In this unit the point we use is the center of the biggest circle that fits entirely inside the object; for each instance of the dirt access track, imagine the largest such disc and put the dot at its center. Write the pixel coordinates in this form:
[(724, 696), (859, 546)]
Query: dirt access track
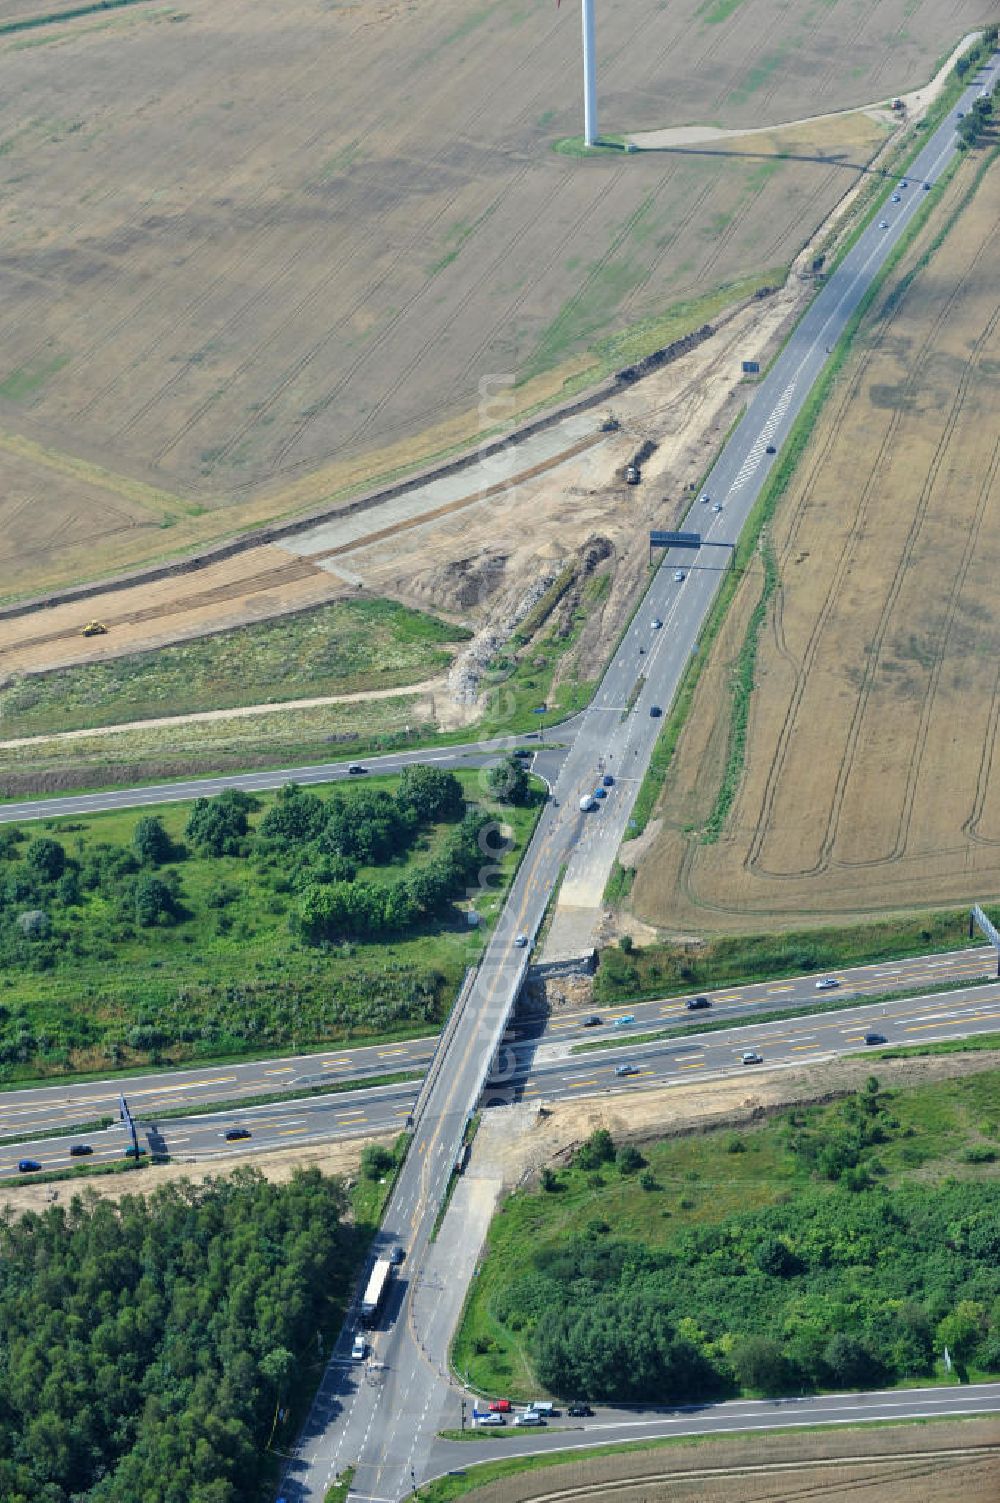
[(256, 256), (870, 779)]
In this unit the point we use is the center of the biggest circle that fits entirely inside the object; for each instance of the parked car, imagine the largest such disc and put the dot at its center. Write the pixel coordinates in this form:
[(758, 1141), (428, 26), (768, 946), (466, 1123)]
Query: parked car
[(529, 1417), (27, 1166), (694, 1004), (489, 1418), (875, 1038), (236, 1134), (501, 1406), (579, 1411), (359, 1349), (751, 1057), (544, 1407), (592, 1022), (622, 1070), (80, 1150), (827, 983)]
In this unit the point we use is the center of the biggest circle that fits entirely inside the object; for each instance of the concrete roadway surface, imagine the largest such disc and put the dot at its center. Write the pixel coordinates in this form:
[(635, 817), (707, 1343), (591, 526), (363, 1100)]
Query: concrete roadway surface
[(612, 1426), (532, 1069), (38, 1109), (684, 588)]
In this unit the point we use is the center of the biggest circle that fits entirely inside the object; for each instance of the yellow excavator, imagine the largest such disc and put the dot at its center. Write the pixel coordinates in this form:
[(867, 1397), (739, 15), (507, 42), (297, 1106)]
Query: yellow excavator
[(94, 629)]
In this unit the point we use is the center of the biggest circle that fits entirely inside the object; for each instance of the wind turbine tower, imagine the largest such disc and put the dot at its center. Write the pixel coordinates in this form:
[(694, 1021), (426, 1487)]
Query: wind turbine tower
[(589, 75)]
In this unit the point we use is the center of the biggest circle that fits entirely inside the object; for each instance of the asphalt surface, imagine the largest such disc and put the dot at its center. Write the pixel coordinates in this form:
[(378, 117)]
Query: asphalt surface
[(612, 1427), (541, 1070)]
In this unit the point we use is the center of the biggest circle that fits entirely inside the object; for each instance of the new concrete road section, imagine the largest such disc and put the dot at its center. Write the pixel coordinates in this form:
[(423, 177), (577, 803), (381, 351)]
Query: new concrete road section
[(612, 1427), (385, 1421), (541, 1071)]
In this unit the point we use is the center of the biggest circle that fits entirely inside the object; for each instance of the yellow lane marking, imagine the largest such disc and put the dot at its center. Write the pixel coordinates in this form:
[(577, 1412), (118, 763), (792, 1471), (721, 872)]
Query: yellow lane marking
[(576, 1084), (285, 1070), (772, 989), (289, 1132), (352, 1118), (699, 1064)]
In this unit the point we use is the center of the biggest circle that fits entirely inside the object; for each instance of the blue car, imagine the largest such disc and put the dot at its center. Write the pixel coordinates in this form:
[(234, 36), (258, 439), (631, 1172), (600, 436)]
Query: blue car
[(600, 793), (624, 1021)]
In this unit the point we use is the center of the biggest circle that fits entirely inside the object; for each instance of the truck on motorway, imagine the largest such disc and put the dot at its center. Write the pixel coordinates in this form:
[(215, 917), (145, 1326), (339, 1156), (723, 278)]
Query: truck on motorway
[(378, 1283)]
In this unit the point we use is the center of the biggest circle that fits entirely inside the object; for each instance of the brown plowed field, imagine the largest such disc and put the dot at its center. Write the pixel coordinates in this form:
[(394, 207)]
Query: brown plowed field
[(255, 253), (872, 773)]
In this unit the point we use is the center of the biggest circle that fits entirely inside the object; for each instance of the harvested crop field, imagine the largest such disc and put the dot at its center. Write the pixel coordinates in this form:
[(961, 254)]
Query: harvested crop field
[(255, 254), (870, 777), (897, 1464)]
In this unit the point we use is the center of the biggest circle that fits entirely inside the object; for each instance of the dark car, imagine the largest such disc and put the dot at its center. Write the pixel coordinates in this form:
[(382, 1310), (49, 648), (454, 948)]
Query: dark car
[(592, 1022), (693, 1004), (234, 1134), (608, 780), (523, 751), (655, 711), (770, 449), (579, 1411), (396, 1255), (355, 768), (27, 1166), (600, 793), (80, 1150), (875, 1038)]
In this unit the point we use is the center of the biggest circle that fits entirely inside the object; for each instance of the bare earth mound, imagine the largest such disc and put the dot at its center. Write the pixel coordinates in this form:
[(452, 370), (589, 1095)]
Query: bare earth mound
[(254, 253), (872, 764)]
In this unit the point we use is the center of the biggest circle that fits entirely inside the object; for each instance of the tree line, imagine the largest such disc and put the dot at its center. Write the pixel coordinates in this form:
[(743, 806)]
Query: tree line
[(149, 1345)]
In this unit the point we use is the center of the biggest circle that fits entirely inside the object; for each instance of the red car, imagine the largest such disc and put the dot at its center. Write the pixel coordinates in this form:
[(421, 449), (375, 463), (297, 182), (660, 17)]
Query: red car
[(500, 1406)]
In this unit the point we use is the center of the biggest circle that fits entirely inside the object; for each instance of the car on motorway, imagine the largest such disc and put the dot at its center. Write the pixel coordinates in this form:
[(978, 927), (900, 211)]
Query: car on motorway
[(716, 505), (27, 1166), (883, 224), (655, 711), (656, 623), (396, 1255), (625, 1019), (751, 1057), (622, 1070), (827, 983), (694, 1004), (523, 751), (927, 187), (235, 1134), (356, 768), (960, 115), (79, 1150), (600, 793), (679, 576), (529, 1417), (521, 942), (579, 1411), (134, 1153), (491, 1417), (895, 199), (501, 1406), (359, 1349), (706, 498), (608, 780), (875, 1038), (592, 1022), (770, 449), (904, 183)]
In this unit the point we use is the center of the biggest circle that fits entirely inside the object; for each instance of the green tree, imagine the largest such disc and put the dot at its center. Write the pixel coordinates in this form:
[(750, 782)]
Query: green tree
[(508, 782), (430, 793), (45, 859), (629, 1159), (151, 842), (962, 1329), (598, 1149), (294, 818), (154, 901), (218, 826), (760, 1364), (850, 1362)]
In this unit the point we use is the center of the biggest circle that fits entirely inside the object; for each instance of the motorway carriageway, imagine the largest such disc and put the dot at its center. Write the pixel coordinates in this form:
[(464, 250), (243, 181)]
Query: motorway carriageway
[(792, 1043), (71, 1103)]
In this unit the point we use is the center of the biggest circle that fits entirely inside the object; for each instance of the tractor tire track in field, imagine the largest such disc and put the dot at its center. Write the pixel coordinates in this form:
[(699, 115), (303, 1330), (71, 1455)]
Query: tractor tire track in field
[(752, 861), (970, 825)]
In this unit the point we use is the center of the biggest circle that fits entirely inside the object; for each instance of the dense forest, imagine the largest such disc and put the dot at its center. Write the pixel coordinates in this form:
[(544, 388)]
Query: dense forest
[(238, 920), (148, 1345), (847, 1276)]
